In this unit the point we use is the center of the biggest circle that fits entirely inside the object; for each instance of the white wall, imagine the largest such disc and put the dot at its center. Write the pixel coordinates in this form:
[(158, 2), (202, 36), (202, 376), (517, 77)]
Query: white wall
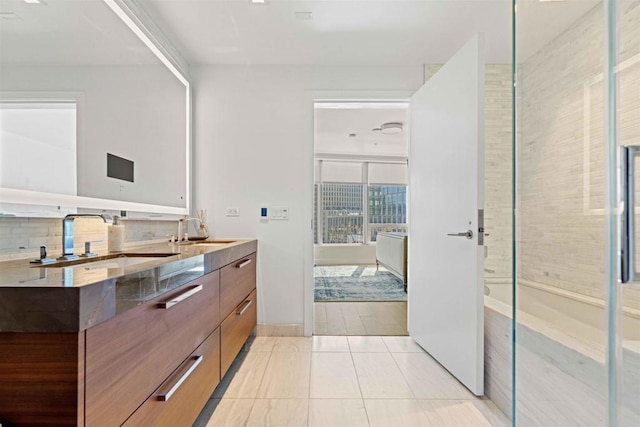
[(253, 136)]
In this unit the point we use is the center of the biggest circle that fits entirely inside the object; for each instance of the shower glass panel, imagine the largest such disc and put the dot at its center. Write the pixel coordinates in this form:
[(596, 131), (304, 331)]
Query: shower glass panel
[(624, 69), (561, 217), (577, 99)]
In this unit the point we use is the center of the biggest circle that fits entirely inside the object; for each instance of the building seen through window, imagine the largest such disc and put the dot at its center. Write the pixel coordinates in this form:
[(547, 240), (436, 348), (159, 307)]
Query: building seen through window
[(387, 209), (342, 211)]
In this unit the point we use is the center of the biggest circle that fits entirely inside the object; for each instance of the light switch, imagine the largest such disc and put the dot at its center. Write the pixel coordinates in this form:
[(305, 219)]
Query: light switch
[(280, 213), (233, 211)]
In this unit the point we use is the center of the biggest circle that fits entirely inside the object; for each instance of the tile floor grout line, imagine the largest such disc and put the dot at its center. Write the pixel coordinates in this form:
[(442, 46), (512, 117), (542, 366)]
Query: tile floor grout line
[(404, 377), (264, 373), (309, 387), (253, 404), (359, 386)]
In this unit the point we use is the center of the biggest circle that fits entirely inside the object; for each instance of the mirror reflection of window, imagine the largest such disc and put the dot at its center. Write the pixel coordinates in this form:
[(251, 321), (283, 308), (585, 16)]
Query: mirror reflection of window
[(38, 146)]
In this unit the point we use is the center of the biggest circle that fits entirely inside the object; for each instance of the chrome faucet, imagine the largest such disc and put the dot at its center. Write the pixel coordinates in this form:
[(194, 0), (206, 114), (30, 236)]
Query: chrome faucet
[(67, 232)]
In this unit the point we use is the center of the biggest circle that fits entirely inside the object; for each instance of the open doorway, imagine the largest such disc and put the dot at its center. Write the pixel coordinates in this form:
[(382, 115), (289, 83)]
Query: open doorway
[(360, 218)]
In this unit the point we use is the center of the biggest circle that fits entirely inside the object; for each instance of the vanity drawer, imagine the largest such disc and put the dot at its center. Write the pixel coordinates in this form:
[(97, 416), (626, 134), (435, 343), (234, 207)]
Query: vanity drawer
[(236, 281), (192, 384), (129, 356), (235, 330)]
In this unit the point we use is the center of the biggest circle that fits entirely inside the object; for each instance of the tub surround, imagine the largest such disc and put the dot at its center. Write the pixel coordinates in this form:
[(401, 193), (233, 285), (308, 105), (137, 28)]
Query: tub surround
[(556, 371), (72, 299), (498, 356)]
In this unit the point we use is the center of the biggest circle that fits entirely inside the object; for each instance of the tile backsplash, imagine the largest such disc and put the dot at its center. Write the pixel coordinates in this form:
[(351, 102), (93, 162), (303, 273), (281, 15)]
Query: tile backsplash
[(22, 237)]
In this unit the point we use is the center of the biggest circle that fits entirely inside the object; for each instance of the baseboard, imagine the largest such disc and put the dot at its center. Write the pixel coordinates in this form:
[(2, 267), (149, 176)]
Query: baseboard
[(295, 330)]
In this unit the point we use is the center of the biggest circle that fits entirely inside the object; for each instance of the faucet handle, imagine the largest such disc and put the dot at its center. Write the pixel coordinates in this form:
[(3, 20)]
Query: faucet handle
[(43, 257), (87, 248)]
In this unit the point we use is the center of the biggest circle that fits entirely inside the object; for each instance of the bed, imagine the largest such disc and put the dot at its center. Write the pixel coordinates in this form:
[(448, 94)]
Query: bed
[(391, 253)]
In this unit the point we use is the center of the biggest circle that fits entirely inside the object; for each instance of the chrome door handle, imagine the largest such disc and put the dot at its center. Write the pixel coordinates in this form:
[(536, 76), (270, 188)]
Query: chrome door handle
[(243, 263), (468, 234), (183, 296), (244, 308), (167, 395), (628, 270)]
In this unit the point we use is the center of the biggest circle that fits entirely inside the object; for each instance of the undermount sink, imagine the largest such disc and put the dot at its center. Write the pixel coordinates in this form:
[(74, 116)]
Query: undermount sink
[(119, 260), (209, 242)]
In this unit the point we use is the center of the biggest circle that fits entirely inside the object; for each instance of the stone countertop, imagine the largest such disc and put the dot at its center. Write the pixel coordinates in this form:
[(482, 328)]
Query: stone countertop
[(45, 298)]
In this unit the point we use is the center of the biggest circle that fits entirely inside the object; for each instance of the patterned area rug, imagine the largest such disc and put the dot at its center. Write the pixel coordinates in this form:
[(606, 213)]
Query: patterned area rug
[(357, 283)]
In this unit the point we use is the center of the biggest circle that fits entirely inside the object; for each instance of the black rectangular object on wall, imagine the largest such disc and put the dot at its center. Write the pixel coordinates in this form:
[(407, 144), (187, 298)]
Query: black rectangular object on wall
[(119, 168)]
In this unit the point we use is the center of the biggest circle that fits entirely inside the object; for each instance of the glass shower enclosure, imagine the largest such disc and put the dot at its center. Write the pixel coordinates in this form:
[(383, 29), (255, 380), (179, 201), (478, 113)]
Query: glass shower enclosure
[(576, 305)]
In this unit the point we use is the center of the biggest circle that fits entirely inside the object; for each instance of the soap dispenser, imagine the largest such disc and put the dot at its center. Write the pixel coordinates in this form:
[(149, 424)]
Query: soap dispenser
[(115, 240)]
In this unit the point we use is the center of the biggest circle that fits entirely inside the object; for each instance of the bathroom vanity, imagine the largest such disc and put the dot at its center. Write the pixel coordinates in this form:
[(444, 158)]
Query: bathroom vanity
[(123, 341)]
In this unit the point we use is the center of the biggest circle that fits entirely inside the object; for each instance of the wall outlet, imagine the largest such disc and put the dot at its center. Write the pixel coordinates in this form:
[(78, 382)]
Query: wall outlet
[(233, 211)]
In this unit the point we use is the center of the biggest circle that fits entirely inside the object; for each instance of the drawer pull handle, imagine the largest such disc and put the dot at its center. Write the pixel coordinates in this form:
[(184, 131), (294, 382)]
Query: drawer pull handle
[(243, 263), (246, 305), (196, 361), (183, 296)]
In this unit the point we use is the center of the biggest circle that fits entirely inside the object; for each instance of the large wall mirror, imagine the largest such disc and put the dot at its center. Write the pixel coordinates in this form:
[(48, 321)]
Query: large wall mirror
[(92, 114)]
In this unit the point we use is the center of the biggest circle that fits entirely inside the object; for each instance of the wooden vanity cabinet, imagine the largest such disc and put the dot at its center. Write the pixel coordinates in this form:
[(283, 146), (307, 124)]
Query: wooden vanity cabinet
[(179, 400), (237, 307), (129, 356), (235, 330), (237, 280), (156, 364), (41, 379)]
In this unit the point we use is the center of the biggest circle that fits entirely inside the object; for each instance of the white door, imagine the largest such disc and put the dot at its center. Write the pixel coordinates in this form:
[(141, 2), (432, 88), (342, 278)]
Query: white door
[(446, 179)]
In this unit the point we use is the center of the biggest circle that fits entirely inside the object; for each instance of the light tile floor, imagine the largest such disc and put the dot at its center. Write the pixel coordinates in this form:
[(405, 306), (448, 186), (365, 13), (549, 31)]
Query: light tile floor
[(336, 381), (360, 318)]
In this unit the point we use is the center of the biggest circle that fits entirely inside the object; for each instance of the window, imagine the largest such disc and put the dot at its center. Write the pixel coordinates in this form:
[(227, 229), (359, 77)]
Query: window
[(342, 213), (346, 210), (387, 209)]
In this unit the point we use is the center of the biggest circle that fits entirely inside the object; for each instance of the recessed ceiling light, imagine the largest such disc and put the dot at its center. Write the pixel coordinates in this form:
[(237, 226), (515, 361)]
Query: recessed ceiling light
[(258, 1), (35, 2), (304, 16)]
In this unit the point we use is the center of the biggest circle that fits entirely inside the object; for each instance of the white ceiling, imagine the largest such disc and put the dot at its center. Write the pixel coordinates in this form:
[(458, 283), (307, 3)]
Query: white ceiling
[(334, 122), (68, 32), (357, 32), (341, 32), (349, 32)]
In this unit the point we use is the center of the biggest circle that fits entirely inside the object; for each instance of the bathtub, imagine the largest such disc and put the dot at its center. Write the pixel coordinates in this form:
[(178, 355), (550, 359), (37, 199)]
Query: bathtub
[(561, 373), (559, 312)]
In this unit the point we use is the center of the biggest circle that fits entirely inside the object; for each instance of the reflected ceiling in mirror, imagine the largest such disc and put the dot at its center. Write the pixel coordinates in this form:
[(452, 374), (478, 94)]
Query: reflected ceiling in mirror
[(129, 106)]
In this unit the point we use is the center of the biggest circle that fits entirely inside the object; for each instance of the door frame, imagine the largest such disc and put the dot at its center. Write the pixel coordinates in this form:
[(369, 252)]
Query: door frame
[(332, 96)]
